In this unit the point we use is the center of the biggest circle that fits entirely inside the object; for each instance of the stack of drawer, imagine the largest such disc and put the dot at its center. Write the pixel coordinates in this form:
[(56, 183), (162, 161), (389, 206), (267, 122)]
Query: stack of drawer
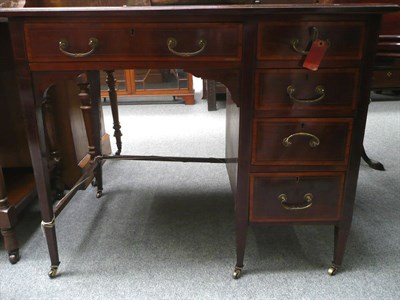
[(302, 121)]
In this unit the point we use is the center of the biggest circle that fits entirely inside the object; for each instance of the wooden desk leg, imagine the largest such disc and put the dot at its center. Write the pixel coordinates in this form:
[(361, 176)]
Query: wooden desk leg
[(7, 219), (372, 163), (242, 224), (90, 106), (340, 240), (37, 146), (211, 95), (111, 82)]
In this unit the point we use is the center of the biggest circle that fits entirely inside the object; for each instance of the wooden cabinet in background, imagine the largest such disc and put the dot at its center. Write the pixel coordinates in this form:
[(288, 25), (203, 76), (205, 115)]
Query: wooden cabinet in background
[(387, 62), (152, 82)]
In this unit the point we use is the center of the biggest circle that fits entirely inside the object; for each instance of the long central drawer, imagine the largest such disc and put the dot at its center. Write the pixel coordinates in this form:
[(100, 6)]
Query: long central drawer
[(124, 41)]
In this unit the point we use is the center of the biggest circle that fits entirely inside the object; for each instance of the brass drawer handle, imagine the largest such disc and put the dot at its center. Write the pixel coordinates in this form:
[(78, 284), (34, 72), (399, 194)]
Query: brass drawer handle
[(63, 45), (172, 43), (314, 142), (314, 36), (319, 90), (296, 206)]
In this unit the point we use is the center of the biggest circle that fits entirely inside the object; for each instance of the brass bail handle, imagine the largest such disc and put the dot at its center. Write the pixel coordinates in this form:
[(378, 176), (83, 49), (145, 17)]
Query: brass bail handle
[(314, 37), (314, 141), (308, 198), (63, 45), (172, 43), (319, 91)]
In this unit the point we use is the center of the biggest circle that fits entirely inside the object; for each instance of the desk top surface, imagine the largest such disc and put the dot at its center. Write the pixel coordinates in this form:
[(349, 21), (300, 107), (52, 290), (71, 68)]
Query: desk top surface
[(10, 8)]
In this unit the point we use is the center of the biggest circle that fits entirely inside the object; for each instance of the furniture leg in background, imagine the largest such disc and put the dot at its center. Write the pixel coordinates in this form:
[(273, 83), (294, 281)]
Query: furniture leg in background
[(112, 92), (211, 95), (7, 220), (17, 190), (372, 163), (212, 89)]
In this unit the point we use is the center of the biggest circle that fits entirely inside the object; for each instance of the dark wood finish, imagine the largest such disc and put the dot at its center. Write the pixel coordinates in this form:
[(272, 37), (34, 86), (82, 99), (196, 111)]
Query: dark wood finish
[(325, 188), (64, 135), (346, 39), (112, 92), (387, 64), (273, 98), (333, 145), (213, 90), (17, 186), (17, 189), (387, 71), (136, 40), (374, 164), (234, 60)]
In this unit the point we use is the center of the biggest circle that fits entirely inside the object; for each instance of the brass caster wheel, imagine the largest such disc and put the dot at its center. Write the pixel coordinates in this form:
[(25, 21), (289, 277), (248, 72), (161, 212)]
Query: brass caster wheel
[(237, 272), (53, 272), (14, 257), (332, 270), (94, 182), (118, 152), (99, 194)]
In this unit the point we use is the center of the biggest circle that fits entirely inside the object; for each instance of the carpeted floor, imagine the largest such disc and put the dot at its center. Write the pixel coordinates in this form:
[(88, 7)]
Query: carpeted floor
[(165, 230)]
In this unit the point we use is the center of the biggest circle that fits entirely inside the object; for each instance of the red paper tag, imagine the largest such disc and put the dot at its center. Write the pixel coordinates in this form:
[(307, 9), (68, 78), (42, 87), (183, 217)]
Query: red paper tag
[(315, 55)]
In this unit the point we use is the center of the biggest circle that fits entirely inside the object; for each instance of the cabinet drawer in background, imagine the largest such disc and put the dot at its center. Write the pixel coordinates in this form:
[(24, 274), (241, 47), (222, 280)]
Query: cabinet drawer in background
[(295, 197), (295, 92), (122, 41), (278, 40), (389, 78), (305, 141)]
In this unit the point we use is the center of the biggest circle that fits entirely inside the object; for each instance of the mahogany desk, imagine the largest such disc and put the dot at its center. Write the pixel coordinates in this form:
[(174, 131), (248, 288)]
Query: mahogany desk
[(294, 136)]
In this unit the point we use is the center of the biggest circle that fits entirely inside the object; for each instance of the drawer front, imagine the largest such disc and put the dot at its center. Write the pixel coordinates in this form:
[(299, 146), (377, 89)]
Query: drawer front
[(302, 90), (122, 41), (296, 197), (285, 40), (389, 78), (299, 141)]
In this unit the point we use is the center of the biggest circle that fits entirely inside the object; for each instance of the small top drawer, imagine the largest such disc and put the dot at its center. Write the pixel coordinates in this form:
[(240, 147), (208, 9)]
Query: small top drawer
[(291, 40), (389, 78), (124, 41)]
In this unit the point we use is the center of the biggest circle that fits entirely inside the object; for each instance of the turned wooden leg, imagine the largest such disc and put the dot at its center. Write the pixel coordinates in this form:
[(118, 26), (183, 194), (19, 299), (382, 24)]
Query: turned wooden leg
[(372, 163), (89, 95), (11, 245), (112, 92), (7, 220)]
